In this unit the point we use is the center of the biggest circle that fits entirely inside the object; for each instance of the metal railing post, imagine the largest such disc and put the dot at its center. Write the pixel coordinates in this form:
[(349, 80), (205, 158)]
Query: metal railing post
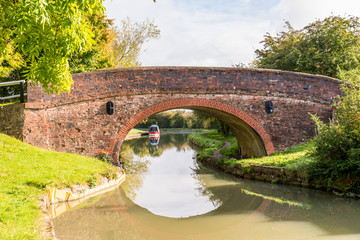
[(22, 99)]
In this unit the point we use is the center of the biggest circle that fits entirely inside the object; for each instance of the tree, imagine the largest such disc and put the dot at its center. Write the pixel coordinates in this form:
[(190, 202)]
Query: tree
[(46, 40), (322, 47), (99, 55), (46, 33), (129, 40)]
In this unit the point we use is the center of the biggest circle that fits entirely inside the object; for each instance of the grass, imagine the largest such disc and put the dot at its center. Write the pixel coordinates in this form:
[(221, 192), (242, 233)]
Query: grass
[(295, 158), (211, 141), (9, 102), (136, 131), (4, 104), (25, 172), (207, 144)]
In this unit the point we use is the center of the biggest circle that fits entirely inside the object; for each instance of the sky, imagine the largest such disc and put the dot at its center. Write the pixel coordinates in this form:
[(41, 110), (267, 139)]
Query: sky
[(219, 33)]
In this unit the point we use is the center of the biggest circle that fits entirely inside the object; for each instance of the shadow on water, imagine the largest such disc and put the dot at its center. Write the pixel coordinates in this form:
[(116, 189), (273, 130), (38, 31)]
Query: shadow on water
[(243, 209)]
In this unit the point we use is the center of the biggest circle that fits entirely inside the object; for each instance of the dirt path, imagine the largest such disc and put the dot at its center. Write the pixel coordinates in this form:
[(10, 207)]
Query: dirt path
[(217, 153)]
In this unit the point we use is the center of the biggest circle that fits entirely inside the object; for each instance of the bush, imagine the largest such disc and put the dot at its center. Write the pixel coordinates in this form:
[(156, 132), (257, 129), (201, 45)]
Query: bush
[(337, 145)]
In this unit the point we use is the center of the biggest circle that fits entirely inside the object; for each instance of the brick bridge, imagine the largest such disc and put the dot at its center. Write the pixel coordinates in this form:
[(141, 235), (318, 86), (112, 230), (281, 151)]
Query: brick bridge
[(77, 122)]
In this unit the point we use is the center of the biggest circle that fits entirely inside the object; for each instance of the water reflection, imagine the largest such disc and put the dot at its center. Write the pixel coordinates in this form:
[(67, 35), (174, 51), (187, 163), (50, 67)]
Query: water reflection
[(171, 188), (244, 209), (154, 140)]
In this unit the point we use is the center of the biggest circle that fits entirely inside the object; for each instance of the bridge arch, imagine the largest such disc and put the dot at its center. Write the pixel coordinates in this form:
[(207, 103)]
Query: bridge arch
[(252, 138), (78, 122)]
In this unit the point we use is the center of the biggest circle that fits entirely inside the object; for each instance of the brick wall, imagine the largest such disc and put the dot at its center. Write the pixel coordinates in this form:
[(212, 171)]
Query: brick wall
[(12, 120), (77, 122)]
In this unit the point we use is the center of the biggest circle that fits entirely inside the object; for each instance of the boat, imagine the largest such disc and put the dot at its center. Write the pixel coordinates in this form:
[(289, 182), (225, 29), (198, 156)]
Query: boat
[(154, 131)]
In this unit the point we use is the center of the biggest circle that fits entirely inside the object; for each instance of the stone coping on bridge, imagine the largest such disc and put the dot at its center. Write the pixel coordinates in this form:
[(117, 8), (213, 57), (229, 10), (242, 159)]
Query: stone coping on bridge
[(149, 68)]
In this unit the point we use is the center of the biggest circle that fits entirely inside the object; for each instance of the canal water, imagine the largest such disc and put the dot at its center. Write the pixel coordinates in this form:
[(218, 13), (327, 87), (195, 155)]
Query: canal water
[(168, 195)]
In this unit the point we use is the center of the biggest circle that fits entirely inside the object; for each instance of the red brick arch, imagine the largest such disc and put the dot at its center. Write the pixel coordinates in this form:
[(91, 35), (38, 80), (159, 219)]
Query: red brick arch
[(191, 102)]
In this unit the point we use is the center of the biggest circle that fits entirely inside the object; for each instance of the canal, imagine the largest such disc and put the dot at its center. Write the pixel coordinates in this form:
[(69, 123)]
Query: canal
[(169, 195)]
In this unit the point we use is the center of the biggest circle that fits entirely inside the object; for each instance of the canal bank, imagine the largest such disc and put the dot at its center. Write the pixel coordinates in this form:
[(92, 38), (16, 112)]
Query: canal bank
[(26, 172), (269, 168), (58, 201)]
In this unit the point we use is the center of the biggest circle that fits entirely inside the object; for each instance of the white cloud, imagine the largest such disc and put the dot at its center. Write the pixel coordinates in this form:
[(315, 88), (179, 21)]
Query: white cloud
[(301, 13), (219, 32)]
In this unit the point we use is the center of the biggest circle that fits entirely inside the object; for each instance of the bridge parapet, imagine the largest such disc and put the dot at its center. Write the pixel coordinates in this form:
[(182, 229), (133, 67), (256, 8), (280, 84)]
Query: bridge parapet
[(190, 80)]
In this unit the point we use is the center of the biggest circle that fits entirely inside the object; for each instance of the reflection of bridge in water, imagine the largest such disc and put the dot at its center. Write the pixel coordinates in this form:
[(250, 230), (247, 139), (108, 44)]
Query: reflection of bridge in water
[(294, 210)]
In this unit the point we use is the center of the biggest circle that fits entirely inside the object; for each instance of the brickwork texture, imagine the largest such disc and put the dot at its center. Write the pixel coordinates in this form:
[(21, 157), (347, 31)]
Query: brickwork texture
[(78, 122), (12, 120)]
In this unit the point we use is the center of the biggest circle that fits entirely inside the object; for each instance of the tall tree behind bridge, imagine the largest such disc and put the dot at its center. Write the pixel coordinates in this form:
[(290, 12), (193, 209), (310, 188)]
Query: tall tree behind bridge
[(129, 41), (322, 47), (114, 47), (98, 56)]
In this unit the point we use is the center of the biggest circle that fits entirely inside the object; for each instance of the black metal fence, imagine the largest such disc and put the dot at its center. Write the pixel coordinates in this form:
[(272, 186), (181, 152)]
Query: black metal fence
[(22, 92)]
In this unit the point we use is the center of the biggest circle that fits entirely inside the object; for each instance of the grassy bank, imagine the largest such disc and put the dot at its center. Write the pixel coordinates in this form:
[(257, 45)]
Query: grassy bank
[(211, 141), (136, 131), (293, 159), (25, 172), (340, 176)]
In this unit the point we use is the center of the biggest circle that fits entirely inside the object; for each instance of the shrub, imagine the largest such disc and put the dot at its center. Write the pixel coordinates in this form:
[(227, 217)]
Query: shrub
[(337, 145)]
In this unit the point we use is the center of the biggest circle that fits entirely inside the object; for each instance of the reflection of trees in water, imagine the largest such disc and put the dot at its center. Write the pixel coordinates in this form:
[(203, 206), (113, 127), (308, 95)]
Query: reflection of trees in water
[(141, 146), (135, 153), (136, 169), (202, 187)]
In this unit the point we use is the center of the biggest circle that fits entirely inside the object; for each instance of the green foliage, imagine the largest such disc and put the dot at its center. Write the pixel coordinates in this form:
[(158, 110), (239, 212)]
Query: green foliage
[(226, 161), (348, 107), (214, 136), (46, 33), (25, 172), (186, 119), (105, 158), (223, 128), (280, 52), (46, 40), (337, 145), (100, 54), (92, 182), (204, 141), (232, 150), (296, 158), (136, 131), (177, 119), (211, 141), (10, 60), (322, 47), (246, 168)]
